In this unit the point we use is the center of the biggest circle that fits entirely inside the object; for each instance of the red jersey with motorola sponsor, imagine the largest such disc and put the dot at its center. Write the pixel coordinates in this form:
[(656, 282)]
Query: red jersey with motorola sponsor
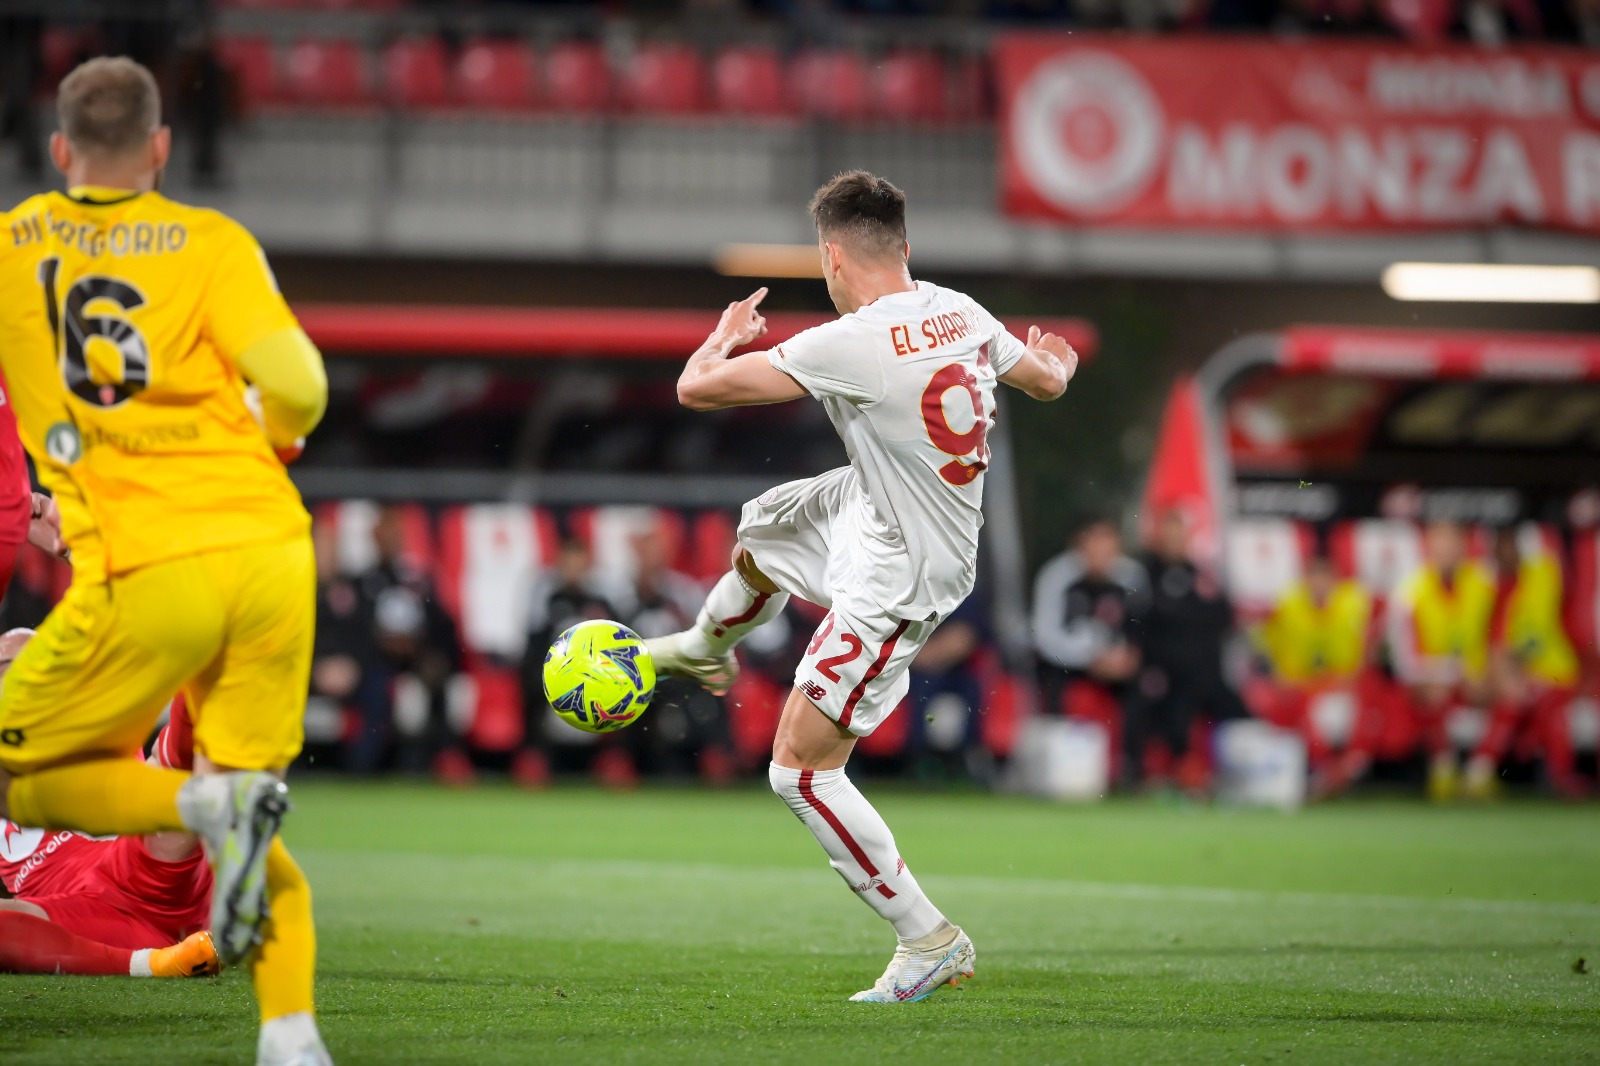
[(171, 896), (44, 862)]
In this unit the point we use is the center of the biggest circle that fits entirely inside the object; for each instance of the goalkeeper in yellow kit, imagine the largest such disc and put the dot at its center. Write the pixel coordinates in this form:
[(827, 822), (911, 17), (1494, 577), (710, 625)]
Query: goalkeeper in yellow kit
[(130, 329)]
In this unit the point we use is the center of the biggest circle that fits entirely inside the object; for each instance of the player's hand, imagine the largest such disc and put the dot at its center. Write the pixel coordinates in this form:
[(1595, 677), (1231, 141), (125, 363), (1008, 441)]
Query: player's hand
[(44, 528), (1056, 348), (741, 323)]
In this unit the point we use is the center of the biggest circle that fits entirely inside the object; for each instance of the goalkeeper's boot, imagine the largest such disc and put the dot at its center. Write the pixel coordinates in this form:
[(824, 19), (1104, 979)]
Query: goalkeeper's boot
[(195, 957), (920, 968), (237, 815), (715, 673), (292, 1040)]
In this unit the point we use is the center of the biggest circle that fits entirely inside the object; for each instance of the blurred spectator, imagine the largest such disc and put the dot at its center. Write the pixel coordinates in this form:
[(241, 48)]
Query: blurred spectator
[(566, 595), (1439, 644), (1181, 682), (417, 643), (685, 724), (1088, 603), (346, 668), (1316, 645), (946, 696), (1532, 671)]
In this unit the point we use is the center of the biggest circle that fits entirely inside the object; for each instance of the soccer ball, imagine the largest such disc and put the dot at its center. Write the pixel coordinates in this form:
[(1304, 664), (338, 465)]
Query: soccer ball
[(599, 676)]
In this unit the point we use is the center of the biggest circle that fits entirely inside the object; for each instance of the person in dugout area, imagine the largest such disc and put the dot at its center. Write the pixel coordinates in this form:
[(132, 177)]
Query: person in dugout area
[(1181, 683), (1316, 646), (1533, 670), (1438, 626)]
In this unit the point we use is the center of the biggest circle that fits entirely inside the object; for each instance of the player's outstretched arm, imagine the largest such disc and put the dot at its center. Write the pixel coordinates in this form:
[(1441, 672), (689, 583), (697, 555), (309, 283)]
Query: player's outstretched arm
[(711, 380), (1046, 366)]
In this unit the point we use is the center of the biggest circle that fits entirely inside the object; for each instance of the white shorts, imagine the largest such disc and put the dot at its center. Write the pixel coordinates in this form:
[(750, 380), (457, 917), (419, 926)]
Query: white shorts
[(857, 667)]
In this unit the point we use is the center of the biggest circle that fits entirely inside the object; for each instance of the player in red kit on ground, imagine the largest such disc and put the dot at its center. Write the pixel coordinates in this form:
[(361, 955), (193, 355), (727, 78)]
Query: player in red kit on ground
[(116, 906)]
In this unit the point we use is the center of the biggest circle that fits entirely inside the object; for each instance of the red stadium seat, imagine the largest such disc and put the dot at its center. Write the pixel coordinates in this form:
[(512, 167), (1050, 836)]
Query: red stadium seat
[(498, 75), (891, 737), (333, 73), (910, 87), (755, 704), (750, 81), (495, 705), (832, 84), (967, 90), (665, 79), (59, 50), (251, 62), (416, 73), (579, 78), (710, 548)]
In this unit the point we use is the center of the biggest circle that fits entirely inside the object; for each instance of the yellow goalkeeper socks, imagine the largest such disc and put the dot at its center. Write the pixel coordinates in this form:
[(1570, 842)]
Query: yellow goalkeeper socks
[(285, 968), (120, 796)]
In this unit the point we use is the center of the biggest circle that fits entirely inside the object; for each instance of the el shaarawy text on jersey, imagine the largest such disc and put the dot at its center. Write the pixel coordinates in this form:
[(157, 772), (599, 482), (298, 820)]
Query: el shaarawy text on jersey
[(122, 320)]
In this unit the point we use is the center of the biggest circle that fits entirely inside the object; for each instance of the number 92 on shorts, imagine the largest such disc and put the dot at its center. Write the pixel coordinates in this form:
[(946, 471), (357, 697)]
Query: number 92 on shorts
[(857, 668)]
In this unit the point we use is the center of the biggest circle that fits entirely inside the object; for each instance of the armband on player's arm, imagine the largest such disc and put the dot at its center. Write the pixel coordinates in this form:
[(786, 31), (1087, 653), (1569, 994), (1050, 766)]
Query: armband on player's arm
[(287, 370)]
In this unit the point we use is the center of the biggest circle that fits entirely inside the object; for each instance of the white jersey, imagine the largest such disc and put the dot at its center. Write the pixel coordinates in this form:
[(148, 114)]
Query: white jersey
[(908, 381)]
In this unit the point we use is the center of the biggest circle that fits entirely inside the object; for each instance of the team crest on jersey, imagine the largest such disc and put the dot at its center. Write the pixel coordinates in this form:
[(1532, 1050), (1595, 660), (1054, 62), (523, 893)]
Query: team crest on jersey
[(63, 443), (17, 843)]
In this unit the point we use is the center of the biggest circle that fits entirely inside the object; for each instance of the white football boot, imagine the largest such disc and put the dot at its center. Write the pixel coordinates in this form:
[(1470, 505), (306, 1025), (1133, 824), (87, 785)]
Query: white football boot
[(292, 1040), (237, 815), (919, 969), (715, 673)]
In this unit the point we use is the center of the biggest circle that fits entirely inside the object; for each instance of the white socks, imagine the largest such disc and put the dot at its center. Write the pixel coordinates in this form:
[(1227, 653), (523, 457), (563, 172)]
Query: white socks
[(139, 963), (732, 610), (859, 846)]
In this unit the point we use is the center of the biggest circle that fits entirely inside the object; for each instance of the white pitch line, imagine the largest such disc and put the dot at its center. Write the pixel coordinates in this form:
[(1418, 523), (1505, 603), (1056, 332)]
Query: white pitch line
[(643, 871)]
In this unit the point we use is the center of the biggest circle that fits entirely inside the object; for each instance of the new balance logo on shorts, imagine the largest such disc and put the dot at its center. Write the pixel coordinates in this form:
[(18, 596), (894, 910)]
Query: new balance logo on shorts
[(813, 691)]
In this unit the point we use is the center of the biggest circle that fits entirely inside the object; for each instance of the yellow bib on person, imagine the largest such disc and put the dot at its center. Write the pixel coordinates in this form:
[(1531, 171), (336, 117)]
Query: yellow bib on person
[(122, 319), (1451, 622), (1534, 631), (1306, 641)]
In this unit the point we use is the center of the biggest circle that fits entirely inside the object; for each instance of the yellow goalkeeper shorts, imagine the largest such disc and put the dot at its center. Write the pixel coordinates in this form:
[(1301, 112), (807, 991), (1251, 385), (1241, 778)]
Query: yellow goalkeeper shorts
[(231, 628)]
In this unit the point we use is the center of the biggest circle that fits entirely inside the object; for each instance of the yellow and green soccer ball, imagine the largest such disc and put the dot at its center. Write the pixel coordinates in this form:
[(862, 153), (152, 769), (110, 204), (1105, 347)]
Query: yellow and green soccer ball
[(599, 676)]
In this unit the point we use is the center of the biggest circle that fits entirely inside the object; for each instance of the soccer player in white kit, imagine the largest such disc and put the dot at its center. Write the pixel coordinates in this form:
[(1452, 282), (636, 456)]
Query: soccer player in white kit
[(889, 544)]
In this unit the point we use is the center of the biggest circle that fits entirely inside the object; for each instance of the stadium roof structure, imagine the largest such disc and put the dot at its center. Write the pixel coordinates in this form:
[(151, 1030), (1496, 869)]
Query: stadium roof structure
[(562, 333), (1316, 423)]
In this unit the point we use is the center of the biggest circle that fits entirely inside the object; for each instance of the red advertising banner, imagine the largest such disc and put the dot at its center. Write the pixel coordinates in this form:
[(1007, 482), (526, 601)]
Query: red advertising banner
[(1274, 134)]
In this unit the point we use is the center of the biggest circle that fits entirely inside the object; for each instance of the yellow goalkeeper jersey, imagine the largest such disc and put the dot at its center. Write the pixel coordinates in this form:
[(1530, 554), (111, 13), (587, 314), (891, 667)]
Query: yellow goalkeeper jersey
[(122, 320)]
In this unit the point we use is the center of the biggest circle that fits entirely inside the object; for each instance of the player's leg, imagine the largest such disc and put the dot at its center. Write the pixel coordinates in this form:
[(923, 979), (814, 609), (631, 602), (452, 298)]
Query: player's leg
[(83, 694), (247, 709), (741, 600), (854, 674), (48, 937), (789, 529), (1510, 701)]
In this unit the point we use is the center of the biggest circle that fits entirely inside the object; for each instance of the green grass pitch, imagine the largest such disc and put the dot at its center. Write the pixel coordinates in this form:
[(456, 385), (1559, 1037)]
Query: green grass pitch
[(691, 927)]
